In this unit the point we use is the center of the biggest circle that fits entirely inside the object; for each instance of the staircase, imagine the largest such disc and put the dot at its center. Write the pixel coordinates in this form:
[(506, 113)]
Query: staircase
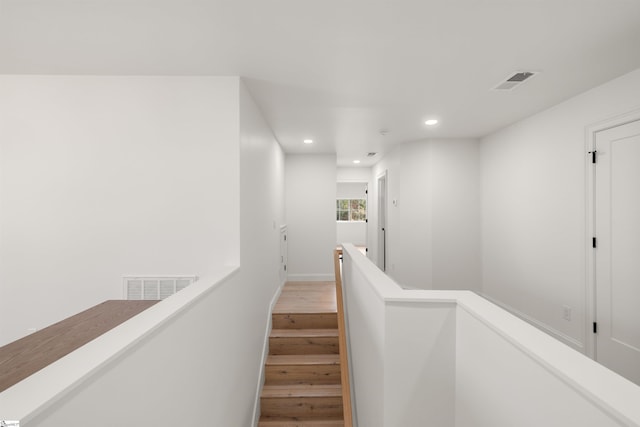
[(302, 372)]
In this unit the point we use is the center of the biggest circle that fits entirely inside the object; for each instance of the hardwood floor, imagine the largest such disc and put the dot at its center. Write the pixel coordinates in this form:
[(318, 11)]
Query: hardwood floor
[(307, 297), (302, 372), (26, 356)]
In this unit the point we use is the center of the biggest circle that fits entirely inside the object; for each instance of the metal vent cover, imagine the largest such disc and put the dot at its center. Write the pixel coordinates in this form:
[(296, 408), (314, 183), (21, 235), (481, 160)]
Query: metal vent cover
[(515, 79), (154, 287)]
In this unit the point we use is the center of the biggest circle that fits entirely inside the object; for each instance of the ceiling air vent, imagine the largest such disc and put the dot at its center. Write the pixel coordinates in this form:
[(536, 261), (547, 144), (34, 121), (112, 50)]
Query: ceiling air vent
[(514, 80)]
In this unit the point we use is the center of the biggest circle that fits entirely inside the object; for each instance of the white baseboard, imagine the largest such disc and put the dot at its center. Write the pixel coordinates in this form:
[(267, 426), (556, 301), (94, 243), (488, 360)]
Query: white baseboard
[(311, 278), (560, 336), (265, 352)]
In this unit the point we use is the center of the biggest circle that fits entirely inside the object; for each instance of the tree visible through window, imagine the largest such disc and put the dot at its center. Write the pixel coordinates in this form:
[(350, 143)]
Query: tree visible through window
[(351, 209)]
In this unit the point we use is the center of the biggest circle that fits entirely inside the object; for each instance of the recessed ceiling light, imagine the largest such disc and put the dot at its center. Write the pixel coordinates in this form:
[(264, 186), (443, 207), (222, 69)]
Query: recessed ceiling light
[(431, 122), (308, 141), (356, 161)]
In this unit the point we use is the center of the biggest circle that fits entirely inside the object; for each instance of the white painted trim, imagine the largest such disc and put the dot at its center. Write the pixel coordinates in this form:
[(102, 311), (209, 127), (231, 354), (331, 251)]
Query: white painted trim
[(265, 353), (590, 264), (311, 277), (560, 336)]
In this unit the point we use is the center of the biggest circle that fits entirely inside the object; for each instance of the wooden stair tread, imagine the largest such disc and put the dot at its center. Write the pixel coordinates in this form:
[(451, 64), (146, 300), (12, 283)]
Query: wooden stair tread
[(304, 341), (305, 320), (303, 369), (301, 422), (303, 376), (307, 333), (301, 390), (303, 359)]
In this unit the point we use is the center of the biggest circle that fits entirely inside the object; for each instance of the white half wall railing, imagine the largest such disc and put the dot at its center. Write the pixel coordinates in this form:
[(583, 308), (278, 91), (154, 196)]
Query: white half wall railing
[(454, 359), (174, 364)]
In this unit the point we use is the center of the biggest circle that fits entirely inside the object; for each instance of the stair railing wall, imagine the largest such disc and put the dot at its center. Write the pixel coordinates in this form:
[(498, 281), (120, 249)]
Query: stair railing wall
[(454, 359), (173, 364)]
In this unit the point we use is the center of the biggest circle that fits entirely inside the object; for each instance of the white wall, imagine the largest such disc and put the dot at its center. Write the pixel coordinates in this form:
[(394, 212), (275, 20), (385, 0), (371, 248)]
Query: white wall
[(402, 352), (420, 364), (533, 208), (172, 365), (109, 176), (361, 174), (452, 358), (433, 227), (497, 384), (310, 187), (351, 231), (155, 381), (261, 195), (187, 358), (351, 190), (366, 319), (262, 211)]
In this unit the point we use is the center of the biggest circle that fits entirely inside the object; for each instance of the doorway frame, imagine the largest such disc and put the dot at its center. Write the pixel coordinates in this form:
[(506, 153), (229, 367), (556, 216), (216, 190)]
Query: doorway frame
[(382, 250), (590, 232), (367, 184)]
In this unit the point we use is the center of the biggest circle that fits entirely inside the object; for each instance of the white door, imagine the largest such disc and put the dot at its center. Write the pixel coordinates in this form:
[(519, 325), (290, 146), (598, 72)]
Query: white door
[(617, 252), (366, 227), (382, 222), (284, 249)]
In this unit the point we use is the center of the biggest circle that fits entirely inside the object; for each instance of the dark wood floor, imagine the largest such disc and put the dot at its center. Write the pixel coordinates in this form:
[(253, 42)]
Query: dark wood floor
[(26, 356)]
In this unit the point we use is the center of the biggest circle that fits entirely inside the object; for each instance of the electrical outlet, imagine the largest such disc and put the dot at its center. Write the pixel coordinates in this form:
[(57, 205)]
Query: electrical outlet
[(566, 313)]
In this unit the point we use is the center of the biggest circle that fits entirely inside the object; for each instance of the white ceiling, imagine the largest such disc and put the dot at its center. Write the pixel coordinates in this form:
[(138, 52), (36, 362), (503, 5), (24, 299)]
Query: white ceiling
[(339, 71)]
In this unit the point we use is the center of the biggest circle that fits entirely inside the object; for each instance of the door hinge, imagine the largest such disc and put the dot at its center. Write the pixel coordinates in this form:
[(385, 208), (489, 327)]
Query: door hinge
[(594, 242), (593, 156), (595, 327)]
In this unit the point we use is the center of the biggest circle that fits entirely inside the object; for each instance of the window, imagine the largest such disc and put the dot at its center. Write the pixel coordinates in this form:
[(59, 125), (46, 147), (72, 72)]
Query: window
[(351, 209)]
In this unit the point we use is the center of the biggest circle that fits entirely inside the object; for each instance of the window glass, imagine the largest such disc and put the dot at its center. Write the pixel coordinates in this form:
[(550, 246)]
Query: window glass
[(351, 210)]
